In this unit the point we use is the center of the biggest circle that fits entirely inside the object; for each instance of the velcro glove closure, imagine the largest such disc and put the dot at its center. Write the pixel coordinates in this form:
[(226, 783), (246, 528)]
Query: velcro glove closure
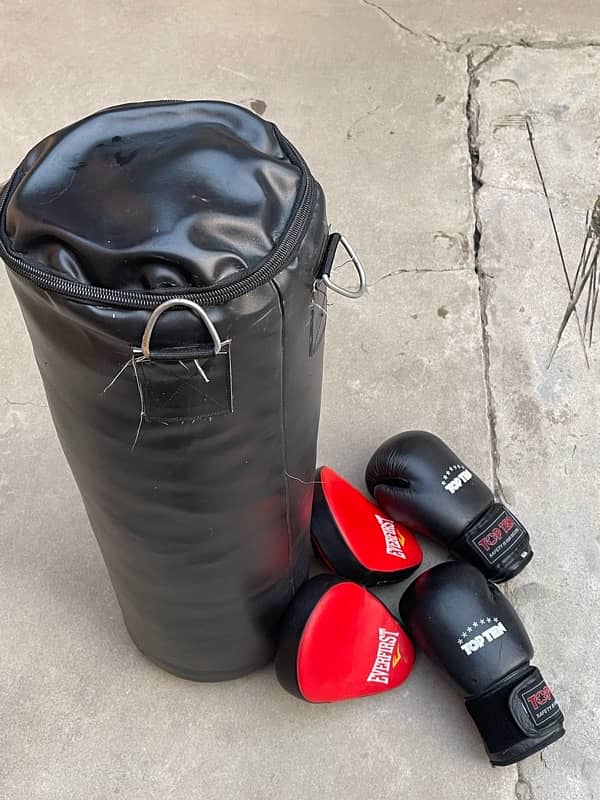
[(497, 543), (533, 706), (511, 713)]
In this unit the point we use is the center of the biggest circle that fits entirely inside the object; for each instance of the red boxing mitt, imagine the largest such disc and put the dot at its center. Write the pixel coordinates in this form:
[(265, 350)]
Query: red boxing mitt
[(339, 641), (355, 538)]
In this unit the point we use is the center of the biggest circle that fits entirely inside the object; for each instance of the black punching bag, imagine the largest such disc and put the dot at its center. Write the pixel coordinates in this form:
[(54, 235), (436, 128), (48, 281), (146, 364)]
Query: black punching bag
[(169, 260)]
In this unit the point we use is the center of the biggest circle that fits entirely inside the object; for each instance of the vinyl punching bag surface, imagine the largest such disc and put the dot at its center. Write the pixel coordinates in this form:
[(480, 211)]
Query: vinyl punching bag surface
[(193, 446)]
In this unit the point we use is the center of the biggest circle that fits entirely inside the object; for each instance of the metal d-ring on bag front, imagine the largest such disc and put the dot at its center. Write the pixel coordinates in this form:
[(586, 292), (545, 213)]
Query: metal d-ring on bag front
[(171, 261)]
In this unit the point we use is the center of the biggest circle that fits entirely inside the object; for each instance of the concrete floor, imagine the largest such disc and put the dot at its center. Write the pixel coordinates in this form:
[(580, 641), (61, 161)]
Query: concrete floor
[(412, 115)]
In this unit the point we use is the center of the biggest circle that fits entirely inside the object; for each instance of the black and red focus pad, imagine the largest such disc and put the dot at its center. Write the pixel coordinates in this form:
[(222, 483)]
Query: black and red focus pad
[(339, 641), (353, 536)]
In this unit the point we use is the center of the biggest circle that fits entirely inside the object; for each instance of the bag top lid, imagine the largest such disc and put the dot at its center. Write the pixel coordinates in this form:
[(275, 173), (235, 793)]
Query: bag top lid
[(155, 197)]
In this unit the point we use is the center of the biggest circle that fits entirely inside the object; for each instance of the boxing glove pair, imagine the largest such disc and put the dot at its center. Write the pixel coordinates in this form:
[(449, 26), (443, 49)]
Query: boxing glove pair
[(338, 641), (456, 616)]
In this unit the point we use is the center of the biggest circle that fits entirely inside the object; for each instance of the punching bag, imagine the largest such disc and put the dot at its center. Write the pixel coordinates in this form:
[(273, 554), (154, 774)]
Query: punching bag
[(169, 260)]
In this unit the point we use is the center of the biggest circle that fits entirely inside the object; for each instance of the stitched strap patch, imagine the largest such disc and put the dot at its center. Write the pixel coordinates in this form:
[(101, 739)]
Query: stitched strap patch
[(187, 389)]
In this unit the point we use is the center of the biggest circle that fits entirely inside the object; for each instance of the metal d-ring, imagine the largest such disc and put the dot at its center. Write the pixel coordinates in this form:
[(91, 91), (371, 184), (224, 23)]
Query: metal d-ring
[(362, 278), (179, 303)]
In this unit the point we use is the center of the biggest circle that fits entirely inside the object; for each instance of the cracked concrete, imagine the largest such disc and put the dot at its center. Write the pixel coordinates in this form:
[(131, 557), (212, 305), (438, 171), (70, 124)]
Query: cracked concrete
[(472, 112), (468, 24), (411, 272), (403, 27), (23, 403), (546, 418), (409, 116)]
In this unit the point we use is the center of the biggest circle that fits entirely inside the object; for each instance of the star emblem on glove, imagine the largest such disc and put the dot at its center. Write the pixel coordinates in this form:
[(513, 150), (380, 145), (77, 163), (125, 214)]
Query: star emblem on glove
[(464, 636), (452, 468)]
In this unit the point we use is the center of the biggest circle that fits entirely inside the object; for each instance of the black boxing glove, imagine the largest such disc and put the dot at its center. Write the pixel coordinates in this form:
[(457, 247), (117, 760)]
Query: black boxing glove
[(418, 481), (467, 625)]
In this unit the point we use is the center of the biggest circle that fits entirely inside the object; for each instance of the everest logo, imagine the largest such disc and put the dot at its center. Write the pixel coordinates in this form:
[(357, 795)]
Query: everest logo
[(455, 477), (386, 658), (393, 540)]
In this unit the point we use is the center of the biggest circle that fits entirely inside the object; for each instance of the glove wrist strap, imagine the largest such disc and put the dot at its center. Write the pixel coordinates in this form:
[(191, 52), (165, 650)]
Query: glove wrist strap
[(496, 543), (517, 717)]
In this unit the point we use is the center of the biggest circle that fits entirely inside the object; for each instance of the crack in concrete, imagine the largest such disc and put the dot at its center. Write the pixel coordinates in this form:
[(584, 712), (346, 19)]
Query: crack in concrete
[(23, 403), (534, 44), (424, 271), (417, 34), (350, 131), (487, 57), (471, 40), (472, 112), (523, 789)]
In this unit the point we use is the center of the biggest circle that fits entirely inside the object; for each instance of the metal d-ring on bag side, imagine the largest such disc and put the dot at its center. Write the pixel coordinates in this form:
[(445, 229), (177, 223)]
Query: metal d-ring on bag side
[(170, 262), (335, 240)]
